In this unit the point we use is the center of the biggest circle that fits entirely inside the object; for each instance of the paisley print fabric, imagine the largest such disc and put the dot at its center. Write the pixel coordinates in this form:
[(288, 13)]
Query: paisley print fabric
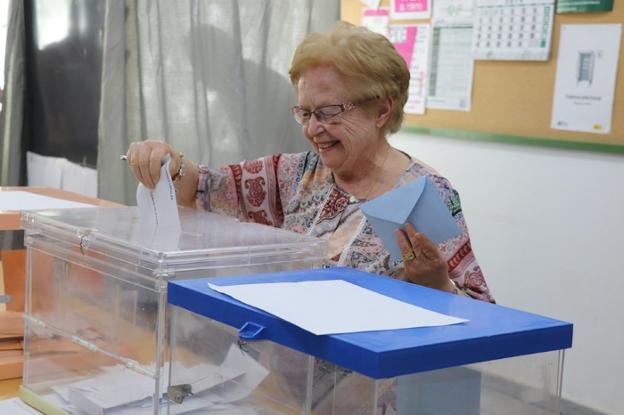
[(297, 192)]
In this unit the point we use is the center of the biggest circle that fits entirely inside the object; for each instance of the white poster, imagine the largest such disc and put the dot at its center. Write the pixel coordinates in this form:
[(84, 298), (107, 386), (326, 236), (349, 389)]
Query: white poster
[(373, 4), (376, 20), (412, 42), (450, 77), (513, 30), (586, 73)]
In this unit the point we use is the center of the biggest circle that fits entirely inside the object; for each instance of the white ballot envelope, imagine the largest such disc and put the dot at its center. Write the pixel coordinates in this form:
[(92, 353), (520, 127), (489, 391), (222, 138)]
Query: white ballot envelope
[(158, 210)]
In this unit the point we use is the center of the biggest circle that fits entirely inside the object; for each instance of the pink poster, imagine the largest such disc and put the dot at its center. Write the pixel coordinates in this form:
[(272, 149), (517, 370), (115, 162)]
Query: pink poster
[(404, 40), (380, 12), (412, 43), (410, 9)]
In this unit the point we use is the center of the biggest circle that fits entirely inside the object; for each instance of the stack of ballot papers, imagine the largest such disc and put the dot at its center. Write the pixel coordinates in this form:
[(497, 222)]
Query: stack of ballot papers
[(118, 390)]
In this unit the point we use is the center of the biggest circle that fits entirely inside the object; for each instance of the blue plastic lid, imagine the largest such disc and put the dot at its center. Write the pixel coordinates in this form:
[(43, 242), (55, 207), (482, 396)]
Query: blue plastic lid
[(492, 332)]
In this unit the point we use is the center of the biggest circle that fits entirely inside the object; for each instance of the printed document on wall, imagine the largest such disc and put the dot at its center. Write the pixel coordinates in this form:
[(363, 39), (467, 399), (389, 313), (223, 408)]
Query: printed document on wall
[(371, 4), (586, 73), (450, 78), (412, 43), (453, 11), (410, 9), (518, 30), (376, 20), (584, 6)]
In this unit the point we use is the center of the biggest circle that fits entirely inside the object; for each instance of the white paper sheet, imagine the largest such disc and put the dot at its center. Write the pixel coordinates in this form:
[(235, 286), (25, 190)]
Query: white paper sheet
[(586, 77), (253, 374), (79, 179), (18, 200), (334, 306), (60, 173), (15, 406), (44, 171), (158, 208), (205, 376), (119, 390)]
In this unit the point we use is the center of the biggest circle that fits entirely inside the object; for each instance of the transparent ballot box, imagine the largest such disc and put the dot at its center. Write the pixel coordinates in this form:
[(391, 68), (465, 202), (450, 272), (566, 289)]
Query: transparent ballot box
[(228, 357), (96, 321)]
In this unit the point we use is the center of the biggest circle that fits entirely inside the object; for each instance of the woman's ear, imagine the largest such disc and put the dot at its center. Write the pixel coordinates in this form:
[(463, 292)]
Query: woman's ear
[(384, 113)]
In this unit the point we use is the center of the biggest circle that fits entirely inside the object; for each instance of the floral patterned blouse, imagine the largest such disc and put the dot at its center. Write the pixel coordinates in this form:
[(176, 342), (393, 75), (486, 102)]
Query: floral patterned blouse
[(297, 192)]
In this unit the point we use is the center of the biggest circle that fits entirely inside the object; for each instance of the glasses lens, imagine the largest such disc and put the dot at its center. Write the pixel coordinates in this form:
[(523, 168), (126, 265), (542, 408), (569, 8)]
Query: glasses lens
[(323, 114), (302, 116), (328, 112)]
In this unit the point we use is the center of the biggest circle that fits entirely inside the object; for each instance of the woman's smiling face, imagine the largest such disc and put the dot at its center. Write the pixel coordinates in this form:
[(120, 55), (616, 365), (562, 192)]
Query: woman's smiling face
[(346, 142)]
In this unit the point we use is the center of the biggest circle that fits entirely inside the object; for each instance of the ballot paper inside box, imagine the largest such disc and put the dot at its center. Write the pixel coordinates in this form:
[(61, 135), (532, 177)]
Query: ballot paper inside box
[(96, 334), (418, 203), (495, 358)]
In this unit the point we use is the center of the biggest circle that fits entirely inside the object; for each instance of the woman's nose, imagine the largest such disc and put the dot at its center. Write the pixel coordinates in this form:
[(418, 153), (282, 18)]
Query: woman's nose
[(314, 127)]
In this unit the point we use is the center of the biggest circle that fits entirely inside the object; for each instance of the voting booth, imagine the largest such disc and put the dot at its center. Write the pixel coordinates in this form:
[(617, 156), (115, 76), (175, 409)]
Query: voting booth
[(96, 320), (233, 358)]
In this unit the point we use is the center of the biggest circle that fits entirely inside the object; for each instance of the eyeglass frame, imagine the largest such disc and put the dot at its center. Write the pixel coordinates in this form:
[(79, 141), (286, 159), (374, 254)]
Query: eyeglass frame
[(323, 119), (344, 107)]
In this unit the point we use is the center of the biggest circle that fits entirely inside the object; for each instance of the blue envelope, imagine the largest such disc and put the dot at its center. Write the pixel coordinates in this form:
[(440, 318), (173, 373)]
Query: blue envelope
[(418, 203)]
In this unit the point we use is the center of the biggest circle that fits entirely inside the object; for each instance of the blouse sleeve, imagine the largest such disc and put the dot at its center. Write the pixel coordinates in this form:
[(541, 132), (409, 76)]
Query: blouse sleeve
[(252, 190), (462, 264)]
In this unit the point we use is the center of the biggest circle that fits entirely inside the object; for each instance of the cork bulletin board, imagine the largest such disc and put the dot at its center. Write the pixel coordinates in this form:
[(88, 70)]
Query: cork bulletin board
[(512, 100)]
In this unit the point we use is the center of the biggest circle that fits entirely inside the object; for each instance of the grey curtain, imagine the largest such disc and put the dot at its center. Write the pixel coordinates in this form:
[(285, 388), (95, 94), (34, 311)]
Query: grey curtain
[(13, 154), (207, 76)]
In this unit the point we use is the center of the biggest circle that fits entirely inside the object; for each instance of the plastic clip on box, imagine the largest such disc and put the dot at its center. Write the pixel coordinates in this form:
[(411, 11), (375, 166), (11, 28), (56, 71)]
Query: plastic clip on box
[(231, 357), (96, 333)]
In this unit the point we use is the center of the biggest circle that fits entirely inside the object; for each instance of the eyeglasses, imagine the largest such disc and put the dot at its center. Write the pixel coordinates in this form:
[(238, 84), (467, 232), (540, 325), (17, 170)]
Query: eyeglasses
[(323, 114)]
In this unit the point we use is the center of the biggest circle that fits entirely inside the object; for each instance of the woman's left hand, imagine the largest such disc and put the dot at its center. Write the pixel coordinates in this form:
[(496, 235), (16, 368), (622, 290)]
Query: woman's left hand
[(423, 262)]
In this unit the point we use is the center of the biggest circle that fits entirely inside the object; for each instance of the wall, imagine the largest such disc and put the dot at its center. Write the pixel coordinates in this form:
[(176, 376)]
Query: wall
[(60, 173), (547, 227)]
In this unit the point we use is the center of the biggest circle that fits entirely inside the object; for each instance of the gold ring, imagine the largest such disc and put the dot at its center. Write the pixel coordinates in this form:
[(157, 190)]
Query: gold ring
[(410, 257)]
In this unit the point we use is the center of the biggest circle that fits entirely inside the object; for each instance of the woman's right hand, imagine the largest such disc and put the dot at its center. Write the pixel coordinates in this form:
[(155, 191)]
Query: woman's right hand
[(145, 159)]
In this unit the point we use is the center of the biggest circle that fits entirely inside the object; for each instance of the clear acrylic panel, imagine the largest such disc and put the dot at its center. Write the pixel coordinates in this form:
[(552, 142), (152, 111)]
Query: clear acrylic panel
[(291, 382), (212, 369), (96, 309)]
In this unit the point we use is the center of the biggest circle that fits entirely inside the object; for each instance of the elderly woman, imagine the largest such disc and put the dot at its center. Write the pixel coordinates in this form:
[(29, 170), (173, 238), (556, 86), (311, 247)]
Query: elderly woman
[(351, 87)]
